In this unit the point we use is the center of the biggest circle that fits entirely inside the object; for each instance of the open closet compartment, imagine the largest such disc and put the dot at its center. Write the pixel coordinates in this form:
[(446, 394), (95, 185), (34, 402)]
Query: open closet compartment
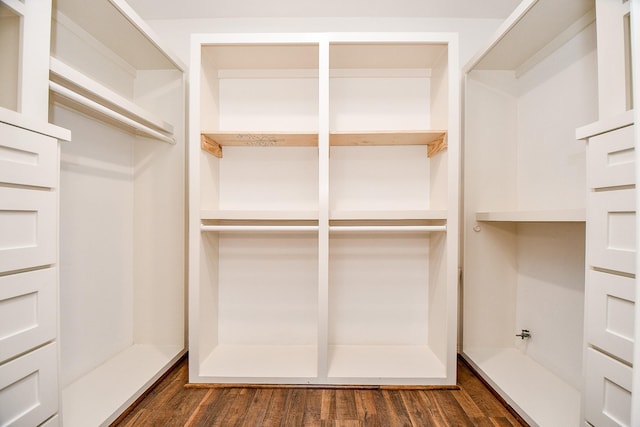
[(392, 201), (524, 236), (254, 209), (122, 215), (310, 172)]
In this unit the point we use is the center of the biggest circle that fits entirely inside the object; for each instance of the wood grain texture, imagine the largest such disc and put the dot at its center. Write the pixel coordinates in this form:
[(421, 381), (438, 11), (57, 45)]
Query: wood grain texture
[(170, 403)]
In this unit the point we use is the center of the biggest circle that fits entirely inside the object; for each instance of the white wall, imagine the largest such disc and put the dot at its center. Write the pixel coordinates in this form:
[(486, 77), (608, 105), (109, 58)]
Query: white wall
[(473, 32), (96, 243)]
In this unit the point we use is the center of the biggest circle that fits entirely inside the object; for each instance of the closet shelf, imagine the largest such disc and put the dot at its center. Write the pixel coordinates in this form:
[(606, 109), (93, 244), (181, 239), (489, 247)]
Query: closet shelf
[(259, 228), (115, 25), (364, 215), (435, 140), (563, 215), (213, 141), (259, 215), (78, 82), (388, 228), (533, 30)]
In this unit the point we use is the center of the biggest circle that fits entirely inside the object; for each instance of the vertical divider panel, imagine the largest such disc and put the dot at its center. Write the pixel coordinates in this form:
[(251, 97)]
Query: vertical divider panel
[(323, 210), (453, 205), (194, 211), (635, 68)]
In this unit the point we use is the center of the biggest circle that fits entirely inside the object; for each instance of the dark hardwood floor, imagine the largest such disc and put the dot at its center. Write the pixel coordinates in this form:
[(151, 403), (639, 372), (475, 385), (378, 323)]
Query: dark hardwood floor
[(170, 403)]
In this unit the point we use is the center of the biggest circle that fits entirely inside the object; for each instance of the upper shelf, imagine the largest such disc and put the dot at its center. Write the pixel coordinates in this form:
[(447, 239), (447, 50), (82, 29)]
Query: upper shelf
[(397, 55), (69, 77), (213, 141), (532, 26), (118, 27)]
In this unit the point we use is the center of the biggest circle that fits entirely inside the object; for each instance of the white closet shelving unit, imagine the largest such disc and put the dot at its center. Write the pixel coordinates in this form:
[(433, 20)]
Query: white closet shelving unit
[(29, 155), (323, 227), (611, 281), (122, 207), (524, 196)]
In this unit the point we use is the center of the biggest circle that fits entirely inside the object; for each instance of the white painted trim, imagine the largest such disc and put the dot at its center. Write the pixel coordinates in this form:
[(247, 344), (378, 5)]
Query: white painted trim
[(15, 5), (634, 6)]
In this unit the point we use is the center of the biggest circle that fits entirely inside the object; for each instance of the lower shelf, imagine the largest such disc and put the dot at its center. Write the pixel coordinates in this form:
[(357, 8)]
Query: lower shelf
[(260, 364), (99, 397), (538, 395), (382, 364)]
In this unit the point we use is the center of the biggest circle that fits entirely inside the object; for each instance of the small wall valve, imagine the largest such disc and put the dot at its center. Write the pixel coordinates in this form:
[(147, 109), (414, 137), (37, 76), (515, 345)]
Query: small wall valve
[(524, 334)]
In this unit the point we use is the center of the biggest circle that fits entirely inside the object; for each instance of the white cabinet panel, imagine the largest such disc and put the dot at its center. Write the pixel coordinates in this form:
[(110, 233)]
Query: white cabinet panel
[(27, 158), (27, 228), (610, 313), (29, 388), (608, 391), (52, 422), (27, 311), (610, 159), (611, 219)]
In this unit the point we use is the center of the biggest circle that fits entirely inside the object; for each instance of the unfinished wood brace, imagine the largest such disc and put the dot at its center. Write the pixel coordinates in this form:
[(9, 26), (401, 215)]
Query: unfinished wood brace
[(437, 146), (210, 146)]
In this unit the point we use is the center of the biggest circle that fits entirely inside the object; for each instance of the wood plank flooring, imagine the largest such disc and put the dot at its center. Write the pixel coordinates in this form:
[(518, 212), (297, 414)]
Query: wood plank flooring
[(170, 403)]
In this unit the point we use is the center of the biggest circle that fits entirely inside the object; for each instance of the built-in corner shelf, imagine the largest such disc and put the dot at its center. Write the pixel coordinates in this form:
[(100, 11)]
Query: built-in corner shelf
[(562, 215)]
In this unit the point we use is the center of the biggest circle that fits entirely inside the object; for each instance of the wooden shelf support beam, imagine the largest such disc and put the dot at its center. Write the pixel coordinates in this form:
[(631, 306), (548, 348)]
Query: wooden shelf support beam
[(210, 146), (437, 146)]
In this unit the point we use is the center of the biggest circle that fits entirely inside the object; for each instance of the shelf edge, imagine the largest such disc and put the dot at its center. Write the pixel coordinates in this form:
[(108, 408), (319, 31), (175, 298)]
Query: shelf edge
[(568, 215)]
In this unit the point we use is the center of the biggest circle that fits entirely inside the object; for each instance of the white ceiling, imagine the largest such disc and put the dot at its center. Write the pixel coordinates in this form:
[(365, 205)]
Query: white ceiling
[(173, 9)]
